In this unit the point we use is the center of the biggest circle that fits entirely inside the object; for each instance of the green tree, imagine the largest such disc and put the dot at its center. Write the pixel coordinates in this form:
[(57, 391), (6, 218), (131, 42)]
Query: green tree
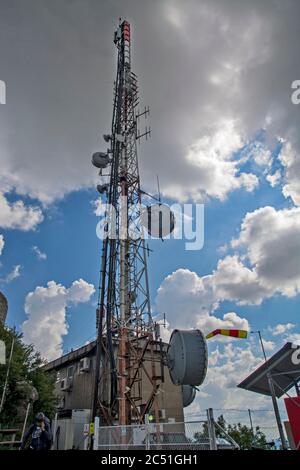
[(25, 377), (244, 436), (247, 438)]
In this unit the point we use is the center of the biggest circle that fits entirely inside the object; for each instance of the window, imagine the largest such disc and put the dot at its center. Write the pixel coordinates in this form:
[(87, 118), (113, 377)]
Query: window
[(70, 372)]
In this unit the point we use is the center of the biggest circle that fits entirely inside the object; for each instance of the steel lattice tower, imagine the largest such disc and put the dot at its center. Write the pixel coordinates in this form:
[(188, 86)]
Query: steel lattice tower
[(125, 326)]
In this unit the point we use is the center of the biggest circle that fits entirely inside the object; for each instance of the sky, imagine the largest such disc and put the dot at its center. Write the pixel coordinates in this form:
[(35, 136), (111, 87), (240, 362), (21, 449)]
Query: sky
[(217, 76)]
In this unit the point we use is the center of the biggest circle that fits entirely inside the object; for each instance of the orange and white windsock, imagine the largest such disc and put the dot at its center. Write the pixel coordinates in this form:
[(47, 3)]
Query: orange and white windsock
[(225, 332)]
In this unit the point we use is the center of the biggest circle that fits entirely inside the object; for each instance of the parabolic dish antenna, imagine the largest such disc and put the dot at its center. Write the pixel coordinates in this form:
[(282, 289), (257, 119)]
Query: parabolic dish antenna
[(188, 395), (158, 220), (187, 357)]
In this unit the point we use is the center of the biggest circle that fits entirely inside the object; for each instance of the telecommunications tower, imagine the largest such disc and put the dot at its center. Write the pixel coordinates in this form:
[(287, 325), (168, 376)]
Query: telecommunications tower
[(126, 331)]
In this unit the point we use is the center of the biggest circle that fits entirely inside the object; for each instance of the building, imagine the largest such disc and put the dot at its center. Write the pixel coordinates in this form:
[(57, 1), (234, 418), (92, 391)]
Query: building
[(74, 390), (3, 308)]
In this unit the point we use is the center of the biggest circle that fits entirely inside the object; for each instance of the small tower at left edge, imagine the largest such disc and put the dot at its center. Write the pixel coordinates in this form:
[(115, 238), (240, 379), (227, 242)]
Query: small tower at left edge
[(3, 308)]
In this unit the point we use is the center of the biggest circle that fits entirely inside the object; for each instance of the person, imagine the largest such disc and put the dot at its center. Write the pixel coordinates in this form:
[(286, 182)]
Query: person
[(38, 436)]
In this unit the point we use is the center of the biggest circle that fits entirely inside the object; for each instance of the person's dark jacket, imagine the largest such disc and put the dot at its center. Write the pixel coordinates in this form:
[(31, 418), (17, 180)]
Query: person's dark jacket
[(37, 439)]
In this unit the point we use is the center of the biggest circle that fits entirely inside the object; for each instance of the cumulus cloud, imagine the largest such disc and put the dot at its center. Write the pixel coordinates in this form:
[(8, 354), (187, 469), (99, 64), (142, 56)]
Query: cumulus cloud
[(269, 345), (216, 165), (183, 294), (17, 215), (2, 243), (46, 310), (188, 300), (290, 159), (281, 328), (232, 360), (293, 338), (274, 178), (233, 280), (260, 154), (272, 241)]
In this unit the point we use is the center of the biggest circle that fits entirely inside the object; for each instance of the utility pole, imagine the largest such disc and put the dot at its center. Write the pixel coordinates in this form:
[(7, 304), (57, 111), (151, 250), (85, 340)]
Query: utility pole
[(261, 343), (250, 418), (7, 374)]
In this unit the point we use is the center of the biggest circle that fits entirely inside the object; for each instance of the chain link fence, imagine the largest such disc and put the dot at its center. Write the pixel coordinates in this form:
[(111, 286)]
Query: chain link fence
[(198, 432), (255, 419), (189, 435)]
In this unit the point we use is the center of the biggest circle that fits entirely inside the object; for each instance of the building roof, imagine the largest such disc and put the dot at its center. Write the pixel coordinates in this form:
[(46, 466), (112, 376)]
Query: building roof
[(77, 354), (284, 371), (72, 356)]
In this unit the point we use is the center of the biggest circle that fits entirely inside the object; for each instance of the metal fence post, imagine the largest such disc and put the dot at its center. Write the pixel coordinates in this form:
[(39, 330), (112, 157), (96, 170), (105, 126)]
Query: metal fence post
[(276, 410), (211, 429), (54, 432), (96, 433), (147, 432), (25, 421)]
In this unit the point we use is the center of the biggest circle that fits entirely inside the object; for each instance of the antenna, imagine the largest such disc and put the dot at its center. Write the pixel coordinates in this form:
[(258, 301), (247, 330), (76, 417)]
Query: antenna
[(158, 188), (126, 330), (125, 392)]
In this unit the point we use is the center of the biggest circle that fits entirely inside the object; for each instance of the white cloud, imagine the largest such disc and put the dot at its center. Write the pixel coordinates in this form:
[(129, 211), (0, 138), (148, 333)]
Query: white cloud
[(165, 330), (290, 159), (14, 274), (17, 215), (233, 280), (274, 178), (188, 300), (80, 291), (272, 241), (260, 154), (233, 364), (293, 338), (281, 328), (268, 345), (208, 323), (98, 207), (228, 365), (46, 310), (215, 166), (184, 295), (40, 255), (2, 243)]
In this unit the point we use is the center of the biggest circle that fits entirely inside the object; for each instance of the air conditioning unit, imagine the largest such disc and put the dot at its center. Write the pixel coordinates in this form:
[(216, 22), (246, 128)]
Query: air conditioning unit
[(66, 384), (61, 402), (84, 364)]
